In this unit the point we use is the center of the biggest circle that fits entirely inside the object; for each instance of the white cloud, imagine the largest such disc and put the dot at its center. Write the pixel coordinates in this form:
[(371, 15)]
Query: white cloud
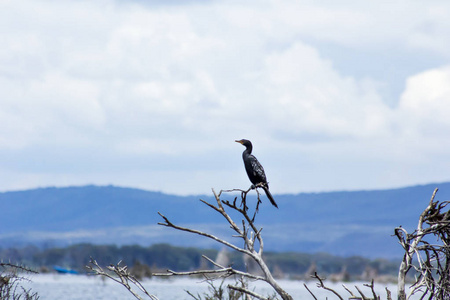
[(427, 95), (424, 108), (310, 96)]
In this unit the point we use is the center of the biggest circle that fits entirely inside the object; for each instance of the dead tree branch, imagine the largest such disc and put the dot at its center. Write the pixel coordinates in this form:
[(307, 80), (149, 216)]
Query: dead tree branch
[(320, 284), (348, 290), (247, 292), (11, 282), (223, 272), (312, 294), (122, 276), (244, 197), (432, 260), (371, 285), (248, 232)]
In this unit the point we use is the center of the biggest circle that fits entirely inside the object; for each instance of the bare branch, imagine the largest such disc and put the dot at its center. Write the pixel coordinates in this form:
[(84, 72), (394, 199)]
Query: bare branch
[(388, 294), (372, 286), (213, 262), (169, 224), (361, 293), (320, 284), (246, 291), (18, 267), (123, 277), (348, 290), (304, 284), (224, 272), (11, 282)]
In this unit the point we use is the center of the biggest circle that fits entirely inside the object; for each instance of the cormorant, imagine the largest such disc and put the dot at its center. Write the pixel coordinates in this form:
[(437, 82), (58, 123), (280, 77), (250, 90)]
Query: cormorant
[(254, 169)]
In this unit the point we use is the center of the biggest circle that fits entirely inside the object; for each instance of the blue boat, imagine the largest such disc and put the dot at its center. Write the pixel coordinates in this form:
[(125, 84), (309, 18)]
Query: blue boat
[(62, 270)]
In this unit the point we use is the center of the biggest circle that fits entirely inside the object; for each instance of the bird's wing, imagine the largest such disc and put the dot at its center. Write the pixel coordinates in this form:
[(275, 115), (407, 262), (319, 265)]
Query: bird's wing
[(258, 170)]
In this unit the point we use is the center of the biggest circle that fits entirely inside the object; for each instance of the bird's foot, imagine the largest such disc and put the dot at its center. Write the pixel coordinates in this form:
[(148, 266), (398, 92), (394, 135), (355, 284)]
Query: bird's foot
[(260, 185)]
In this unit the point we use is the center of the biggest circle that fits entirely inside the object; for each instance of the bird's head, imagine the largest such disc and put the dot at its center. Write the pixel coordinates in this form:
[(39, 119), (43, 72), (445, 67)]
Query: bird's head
[(244, 142)]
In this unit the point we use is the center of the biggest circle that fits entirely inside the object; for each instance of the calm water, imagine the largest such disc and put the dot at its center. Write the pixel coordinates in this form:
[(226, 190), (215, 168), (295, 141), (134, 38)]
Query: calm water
[(71, 287)]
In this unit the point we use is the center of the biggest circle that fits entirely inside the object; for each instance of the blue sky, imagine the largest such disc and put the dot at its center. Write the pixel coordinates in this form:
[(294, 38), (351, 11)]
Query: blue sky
[(335, 95)]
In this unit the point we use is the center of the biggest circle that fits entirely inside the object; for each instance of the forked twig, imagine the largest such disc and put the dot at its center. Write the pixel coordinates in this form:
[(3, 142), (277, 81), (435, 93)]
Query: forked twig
[(123, 277), (320, 284)]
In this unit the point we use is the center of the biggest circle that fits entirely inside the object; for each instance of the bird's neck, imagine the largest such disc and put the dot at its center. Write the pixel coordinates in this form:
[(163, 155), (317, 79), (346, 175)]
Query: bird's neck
[(247, 151)]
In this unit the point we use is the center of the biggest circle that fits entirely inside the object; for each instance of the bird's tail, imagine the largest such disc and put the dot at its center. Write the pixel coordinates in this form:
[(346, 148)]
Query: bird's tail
[(269, 195)]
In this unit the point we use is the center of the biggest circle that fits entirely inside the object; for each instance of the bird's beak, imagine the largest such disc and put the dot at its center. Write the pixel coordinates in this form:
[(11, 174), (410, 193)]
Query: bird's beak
[(238, 141)]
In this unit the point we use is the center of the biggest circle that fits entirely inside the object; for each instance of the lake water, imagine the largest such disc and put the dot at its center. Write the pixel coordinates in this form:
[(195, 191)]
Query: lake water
[(74, 287)]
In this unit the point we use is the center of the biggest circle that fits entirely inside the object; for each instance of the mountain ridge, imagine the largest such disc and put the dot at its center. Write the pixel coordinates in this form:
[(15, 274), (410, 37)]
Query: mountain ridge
[(341, 222)]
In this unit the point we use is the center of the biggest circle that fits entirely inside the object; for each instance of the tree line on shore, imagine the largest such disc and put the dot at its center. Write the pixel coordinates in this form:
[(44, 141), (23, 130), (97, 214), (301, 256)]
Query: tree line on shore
[(165, 256)]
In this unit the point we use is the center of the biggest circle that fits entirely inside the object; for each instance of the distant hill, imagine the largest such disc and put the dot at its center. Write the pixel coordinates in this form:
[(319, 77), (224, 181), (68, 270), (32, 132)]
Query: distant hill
[(341, 223)]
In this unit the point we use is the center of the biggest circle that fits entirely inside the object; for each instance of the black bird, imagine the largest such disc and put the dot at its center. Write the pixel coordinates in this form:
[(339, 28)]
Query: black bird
[(254, 169)]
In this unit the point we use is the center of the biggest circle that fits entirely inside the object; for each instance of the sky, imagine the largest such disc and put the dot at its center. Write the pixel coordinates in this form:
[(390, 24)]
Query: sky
[(334, 95)]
